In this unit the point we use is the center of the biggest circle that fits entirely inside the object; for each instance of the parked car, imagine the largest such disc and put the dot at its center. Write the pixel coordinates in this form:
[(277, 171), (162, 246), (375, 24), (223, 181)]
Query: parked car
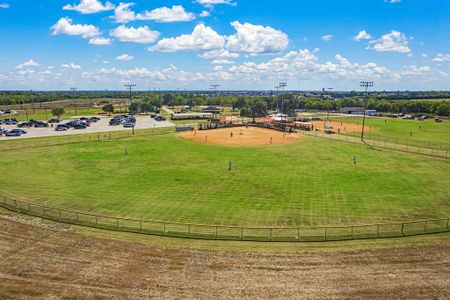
[(40, 124), (94, 119), (114, 122), (3, 131), (128, 124), (439, 120), (62, 127), (79, 126), (13, 133), (54, 120), (10, 121), (25, 124)]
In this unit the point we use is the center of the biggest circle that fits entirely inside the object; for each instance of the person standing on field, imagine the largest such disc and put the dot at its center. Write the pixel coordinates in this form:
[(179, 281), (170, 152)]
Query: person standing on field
[(354, 159), (230, 165)]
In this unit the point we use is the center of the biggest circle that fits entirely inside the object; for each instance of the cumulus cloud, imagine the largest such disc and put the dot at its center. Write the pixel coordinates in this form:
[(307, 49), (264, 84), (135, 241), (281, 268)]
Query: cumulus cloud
[(125, 57), (141, 34), (4, 5), (71, 66), (442, 57), (123, 14), (256, 39), (393, 1), (201, 38), (413, 70), (100, 41), (362, 35), (27, 64), (89, 6), (65, 26), (327, 37), (222, 62), (165, 14), (394, 41)]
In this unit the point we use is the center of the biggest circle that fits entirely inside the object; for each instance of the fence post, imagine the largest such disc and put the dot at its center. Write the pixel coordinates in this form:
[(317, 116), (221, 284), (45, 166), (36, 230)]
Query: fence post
[(270, 235), (448, 220), (352, 233), (242, 233), (96, 220), (189, 230), (59, 214), (326, 229), (164, 228), (378, 230), (117, 220), (403, 227), (298, 234), (425, 227), (78, 218), (140, 225), (215, 236)]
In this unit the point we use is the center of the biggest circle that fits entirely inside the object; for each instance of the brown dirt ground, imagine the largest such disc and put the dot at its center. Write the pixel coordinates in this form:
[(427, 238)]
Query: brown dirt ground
[(345, 127), (41, 262), (251, 136)]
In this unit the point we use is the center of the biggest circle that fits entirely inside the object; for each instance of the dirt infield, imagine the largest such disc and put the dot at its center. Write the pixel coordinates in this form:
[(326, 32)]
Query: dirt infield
[(341, 126), (240, 136), (40, 262)]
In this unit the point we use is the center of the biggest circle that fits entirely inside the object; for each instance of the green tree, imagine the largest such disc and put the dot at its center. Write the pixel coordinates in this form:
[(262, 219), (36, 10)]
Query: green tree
[(57, 111), (134, 108), (239, 103), (257, 108), (108, 108)]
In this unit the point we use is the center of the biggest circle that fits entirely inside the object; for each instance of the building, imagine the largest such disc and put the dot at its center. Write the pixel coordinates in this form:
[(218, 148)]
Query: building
[(352, 110)]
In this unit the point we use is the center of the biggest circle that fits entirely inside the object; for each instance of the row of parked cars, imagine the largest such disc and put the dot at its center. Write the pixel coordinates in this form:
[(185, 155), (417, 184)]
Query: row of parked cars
[(81, 123), (12, 132), (125, 120)]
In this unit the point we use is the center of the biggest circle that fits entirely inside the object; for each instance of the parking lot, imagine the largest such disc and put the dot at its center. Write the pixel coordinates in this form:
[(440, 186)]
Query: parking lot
[(142, 122)]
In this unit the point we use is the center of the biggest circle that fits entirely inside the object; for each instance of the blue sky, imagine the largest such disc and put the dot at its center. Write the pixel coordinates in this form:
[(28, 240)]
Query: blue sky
[(243, 44)]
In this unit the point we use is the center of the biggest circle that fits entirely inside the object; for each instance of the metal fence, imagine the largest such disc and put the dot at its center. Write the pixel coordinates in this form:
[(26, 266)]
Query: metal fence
[(231, 233), (386, 143), (81, 138)]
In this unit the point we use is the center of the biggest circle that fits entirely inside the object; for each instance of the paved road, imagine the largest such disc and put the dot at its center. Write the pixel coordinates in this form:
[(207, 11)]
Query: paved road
[(142, 122)]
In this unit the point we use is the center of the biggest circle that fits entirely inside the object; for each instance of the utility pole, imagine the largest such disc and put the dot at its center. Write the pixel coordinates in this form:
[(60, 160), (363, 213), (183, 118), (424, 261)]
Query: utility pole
[(278, 96), (129, 86), (73, 99), (366, 85), (282, 86)]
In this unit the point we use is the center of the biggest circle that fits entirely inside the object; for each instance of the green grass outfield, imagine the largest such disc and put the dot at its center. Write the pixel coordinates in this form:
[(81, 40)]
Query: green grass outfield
[(427, 133), (311, 182)]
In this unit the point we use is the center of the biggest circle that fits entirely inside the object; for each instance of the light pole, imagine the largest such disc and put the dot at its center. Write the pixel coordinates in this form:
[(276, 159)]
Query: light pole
[(282, 86), (366, 85), (129, 86), (73, 99)]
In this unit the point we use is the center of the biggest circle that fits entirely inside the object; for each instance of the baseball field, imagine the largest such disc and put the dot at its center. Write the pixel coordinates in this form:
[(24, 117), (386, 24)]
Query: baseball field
[(301, 181)]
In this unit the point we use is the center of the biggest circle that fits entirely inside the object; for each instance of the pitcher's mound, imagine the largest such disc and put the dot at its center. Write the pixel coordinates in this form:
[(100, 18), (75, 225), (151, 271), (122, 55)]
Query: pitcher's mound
[(242, 136)]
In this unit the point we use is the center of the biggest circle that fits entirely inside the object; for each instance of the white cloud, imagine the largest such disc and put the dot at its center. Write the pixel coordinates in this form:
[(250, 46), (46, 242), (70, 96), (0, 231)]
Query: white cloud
[(442, 57), (394, 41), (327, 37), (141, 34), (27, 64), (4, 5), (201, 38), (89, 6), (100, 41), (362, 35), (210, 3), (204, 14), (222, 62), (71, 66), (123, 14), (165, 14), (65, 26), (415, 71), (393, 1), (222, 53), (125, 57), (256, 39)]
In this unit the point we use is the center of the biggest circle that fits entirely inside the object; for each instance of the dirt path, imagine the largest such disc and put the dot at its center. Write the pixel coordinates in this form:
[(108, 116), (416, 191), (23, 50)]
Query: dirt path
[(46, 263), (240, 136)]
